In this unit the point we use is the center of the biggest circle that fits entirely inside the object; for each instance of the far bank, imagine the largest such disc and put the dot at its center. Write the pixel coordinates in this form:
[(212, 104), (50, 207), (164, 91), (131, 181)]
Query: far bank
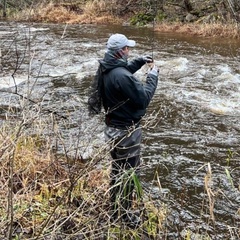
[(200, 18)]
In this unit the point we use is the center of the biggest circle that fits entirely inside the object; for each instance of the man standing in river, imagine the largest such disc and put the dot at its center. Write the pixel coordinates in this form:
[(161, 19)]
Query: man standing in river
[(125, 100)]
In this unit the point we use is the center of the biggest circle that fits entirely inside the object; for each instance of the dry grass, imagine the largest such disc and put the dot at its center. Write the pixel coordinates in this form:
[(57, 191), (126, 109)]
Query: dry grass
[(88, 19), (101, 12), (205, 30), (210, 193), (92, 12), (52, 195), (52, 13), (97, 11)]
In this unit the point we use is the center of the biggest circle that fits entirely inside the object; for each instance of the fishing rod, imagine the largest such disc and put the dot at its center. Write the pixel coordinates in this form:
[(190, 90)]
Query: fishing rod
[(153, 36), (153, 27)]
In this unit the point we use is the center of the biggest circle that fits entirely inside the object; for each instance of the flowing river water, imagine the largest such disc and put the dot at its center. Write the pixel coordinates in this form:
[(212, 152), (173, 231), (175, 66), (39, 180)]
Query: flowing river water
[(190, 149)]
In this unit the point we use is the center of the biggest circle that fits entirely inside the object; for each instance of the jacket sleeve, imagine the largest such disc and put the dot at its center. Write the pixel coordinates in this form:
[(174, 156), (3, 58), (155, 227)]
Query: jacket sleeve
[(139, 94), (150, 86), (135, 64)]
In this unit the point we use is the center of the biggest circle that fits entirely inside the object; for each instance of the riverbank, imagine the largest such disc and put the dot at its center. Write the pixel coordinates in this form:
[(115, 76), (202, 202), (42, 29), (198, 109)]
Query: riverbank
[(58, 197), (204, 30), (210, 25)]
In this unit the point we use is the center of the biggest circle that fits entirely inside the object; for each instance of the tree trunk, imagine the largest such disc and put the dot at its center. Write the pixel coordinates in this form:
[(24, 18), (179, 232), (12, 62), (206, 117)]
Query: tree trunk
[(4, 8)]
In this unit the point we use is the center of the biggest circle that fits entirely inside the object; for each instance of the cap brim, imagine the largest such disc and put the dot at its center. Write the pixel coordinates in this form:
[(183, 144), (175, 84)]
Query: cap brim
[(131, 43)]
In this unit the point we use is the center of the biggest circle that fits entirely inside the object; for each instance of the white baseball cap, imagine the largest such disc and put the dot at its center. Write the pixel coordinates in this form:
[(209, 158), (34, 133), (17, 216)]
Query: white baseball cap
[(118, 41)]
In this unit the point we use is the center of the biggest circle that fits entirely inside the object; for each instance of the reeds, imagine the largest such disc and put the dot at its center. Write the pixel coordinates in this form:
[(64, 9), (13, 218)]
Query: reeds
[(103, 12), (210, 193), (50, 196), (230, 30), (91, 12)]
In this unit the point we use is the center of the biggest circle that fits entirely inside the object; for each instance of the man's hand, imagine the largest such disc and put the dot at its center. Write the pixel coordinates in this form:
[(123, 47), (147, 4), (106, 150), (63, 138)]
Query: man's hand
[(154, 70), (147, 59)]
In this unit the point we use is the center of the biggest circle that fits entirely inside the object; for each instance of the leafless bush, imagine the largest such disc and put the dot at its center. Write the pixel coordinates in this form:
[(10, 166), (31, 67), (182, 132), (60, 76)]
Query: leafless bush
[(52, 191)]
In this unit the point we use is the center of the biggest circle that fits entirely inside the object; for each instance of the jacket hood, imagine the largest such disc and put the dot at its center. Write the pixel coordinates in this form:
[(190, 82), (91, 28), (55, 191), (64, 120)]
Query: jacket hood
[(113, 59)]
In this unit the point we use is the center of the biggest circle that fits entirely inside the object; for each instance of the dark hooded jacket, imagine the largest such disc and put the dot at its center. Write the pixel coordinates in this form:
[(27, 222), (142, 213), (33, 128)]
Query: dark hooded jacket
[(124, 97)]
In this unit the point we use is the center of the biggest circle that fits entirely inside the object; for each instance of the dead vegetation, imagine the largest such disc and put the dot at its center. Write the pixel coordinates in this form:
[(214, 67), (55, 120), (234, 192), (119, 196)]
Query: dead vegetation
[(204, 30), (104, 12), (91, 12), (47, 194)]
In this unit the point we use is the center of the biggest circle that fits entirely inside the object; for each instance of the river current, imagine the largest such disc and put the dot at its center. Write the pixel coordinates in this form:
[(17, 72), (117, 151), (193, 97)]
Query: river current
[(191, 130)]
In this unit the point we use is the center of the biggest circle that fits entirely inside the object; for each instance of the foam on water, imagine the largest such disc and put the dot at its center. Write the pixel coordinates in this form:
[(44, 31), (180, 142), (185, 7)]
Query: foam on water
[(5, 33), (215, 89), (81, 70), (8, 82), (33, 29), (175, 64), (227, 98)]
